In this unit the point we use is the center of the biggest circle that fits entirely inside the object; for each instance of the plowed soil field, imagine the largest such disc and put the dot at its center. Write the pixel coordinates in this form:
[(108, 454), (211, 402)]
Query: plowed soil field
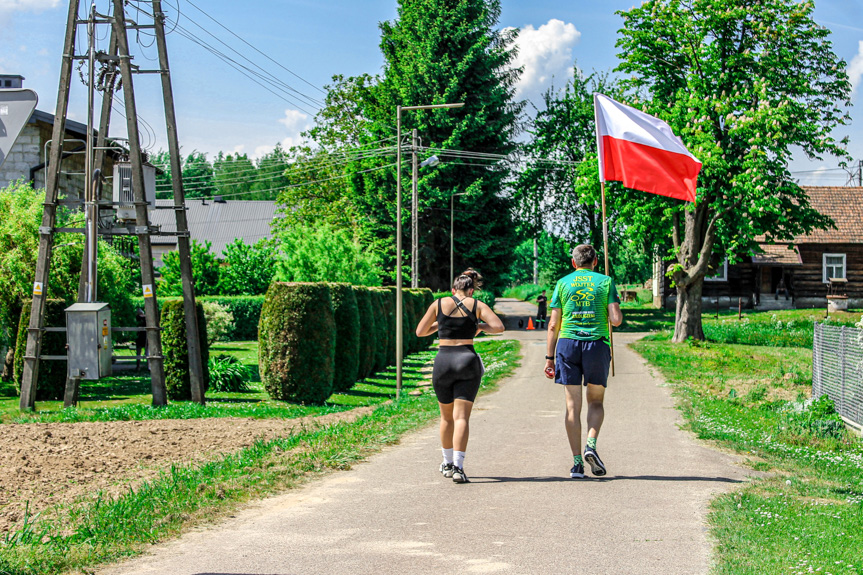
[(50, 463)]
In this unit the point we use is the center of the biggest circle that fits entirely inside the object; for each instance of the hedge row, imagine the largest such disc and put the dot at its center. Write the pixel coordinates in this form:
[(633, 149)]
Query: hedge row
[(319, 338), (176, 352), (246, 310)]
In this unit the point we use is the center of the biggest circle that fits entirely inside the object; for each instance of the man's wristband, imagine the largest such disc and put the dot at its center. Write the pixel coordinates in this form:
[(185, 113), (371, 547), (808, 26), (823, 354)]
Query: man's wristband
[(549, 357)]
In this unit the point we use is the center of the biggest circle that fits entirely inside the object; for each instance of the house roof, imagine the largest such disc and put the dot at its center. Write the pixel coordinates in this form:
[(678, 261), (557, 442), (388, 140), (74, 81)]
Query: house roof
[(72, 127), (219, 223), (845, 206), (778, 255)]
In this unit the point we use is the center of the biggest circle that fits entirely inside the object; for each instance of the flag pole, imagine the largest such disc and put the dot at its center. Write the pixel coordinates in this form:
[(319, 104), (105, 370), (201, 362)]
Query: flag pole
[(607, 271)]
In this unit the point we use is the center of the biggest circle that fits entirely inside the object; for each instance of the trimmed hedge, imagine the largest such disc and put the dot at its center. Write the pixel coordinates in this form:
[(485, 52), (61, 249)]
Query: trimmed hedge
[(246, 310), (51, 384), (178, 381), (388, 301), (347, 320), (368, 332), (484, 296), (297, 342), (424, 299), (382, 340)]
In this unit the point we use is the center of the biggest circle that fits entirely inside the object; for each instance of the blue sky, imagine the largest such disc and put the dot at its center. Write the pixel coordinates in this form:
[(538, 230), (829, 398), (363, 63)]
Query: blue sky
[(219, 109)]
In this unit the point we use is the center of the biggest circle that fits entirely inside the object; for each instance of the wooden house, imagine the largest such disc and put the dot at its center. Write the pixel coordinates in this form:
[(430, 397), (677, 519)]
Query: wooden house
[(792, 274)]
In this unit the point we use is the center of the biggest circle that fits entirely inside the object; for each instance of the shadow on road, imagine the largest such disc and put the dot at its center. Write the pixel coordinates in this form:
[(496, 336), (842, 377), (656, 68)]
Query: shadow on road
[(549, 479)]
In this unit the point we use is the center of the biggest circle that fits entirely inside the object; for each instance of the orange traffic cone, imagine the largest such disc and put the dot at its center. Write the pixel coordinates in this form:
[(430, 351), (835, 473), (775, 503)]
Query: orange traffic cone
[(530, 323)]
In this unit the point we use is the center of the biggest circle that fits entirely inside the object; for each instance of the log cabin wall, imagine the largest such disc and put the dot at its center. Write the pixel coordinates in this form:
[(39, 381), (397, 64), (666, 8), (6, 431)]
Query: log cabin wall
[(809, 287)]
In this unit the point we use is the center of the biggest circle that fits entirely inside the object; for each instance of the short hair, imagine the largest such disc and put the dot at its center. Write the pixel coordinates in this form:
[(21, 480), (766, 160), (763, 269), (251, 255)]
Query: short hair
[(583, 255)]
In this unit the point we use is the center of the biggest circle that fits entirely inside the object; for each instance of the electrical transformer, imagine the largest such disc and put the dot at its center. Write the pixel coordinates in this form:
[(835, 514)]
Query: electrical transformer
[(88, 340), (124, 195)]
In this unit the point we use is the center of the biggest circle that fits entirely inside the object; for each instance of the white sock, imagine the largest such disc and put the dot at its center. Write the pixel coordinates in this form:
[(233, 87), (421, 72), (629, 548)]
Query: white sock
[(458, 461), (447, 454)]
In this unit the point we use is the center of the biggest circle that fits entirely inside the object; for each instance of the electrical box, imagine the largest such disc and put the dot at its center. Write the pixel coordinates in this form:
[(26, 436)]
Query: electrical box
[(124, 194), (88, 340)]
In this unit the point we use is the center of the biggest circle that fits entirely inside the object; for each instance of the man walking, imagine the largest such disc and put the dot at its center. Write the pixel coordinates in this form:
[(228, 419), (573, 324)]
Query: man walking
[(541, 310), (583, 304)]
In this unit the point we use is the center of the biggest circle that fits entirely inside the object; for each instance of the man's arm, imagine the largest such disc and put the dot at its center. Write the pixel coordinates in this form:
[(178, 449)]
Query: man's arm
[(615, 316), (551, 340)]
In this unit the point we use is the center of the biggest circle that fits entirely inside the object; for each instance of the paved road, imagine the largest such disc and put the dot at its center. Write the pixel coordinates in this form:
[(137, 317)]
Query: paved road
[(395, 514)]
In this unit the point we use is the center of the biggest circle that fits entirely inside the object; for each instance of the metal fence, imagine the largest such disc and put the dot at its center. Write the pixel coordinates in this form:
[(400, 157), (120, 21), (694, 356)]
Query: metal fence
[(837, 369)]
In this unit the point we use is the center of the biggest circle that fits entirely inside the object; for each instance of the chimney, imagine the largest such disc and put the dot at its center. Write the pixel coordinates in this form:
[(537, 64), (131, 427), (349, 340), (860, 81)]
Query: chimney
[(10, 81)]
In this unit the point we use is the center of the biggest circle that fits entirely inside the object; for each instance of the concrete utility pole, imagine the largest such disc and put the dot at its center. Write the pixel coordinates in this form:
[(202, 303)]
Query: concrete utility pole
[(415, 267)]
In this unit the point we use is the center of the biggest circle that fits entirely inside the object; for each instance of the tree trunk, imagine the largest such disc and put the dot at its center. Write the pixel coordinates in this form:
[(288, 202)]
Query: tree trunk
[(687, 319)]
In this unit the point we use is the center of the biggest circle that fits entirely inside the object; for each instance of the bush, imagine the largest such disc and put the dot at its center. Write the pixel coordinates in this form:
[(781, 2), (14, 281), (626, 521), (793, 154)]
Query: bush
[(425, 298), (246, 311), (486, 297), (227, 373), (51, 384), (368, 332), (178, 381), (382, 337), (219, 321), (347, 320), (388, 301), (297, 342), (410, 341)]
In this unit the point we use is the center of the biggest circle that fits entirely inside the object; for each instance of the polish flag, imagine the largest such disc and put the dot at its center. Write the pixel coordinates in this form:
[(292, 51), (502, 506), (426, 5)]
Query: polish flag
[(642, 152)]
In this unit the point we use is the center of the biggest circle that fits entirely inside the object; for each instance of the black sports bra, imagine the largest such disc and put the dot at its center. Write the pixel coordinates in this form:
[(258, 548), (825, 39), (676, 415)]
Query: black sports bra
[(457, 327)]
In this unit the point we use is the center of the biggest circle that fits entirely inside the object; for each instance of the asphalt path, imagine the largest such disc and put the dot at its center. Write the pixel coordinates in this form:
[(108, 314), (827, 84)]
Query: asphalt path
[(521, 513)]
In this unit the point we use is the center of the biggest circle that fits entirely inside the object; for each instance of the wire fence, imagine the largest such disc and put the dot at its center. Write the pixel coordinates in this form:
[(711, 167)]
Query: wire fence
[(837, 369)]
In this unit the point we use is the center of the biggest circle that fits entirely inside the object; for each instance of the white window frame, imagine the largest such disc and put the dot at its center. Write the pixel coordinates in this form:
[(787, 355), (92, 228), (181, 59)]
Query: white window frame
[(824, 257), (719, 277)]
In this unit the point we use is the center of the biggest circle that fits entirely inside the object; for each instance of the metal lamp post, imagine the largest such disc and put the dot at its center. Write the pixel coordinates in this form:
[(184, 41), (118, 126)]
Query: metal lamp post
[(399, 318)]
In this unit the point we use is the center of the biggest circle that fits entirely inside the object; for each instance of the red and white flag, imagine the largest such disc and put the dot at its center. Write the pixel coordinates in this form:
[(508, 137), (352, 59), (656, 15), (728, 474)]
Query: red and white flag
[(642, 152)]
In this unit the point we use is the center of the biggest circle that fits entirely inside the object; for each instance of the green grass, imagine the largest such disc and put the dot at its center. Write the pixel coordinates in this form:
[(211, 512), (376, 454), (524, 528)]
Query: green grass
[(99, 529), (806, 513), (128, 397)]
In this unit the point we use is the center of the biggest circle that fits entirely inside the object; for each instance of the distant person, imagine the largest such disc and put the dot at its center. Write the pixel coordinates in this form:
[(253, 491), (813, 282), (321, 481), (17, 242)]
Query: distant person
[(782, 288), (578, 352), (541, 311), (457, 369)]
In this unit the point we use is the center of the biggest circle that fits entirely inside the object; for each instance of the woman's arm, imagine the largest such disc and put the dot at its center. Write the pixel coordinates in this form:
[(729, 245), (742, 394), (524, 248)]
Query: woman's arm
[(492, 322), (428, 324)]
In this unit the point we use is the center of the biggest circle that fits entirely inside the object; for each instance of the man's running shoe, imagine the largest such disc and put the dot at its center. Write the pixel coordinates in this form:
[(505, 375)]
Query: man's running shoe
[(459, 476), (577, 471), (446, 469), (597, 467)]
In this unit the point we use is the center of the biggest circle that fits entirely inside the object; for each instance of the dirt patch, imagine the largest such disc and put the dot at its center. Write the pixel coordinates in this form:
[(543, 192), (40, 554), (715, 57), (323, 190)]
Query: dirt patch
[(51, 463)]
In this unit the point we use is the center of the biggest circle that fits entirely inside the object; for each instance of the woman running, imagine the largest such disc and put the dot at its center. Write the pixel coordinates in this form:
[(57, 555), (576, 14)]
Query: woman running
[(457, 367)]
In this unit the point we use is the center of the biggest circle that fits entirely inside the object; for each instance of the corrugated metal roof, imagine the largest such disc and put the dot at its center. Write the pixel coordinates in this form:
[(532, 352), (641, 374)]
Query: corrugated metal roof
[(219, 223)]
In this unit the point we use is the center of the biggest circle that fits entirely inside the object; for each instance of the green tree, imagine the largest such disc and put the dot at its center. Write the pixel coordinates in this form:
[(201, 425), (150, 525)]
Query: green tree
[(553, 255), (248, 270), (271, 178), (745, 85), (323, 253), (235, 175), (198, 177), (435, 52), (205, 271)]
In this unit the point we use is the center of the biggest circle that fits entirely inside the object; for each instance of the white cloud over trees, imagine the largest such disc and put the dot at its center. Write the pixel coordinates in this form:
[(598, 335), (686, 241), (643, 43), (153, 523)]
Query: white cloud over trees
[(544, 53)]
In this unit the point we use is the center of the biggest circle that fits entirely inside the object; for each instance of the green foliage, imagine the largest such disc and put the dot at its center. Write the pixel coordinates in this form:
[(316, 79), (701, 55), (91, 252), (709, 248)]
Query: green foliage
[(745, 87), (348, 335), (553, 257), (205, 271), (176, 352), (219, 321), (383, 336), (228, 374), (245, 309), (325, 253), (51, 384), (422, 299), (233, 175), (248, 270), (297, 337), (484, 296), (388, 301), (198, 177), (368, 332)]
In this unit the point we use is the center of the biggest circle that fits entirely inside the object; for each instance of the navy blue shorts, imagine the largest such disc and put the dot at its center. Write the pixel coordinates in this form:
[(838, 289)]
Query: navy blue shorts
[(582, 362)]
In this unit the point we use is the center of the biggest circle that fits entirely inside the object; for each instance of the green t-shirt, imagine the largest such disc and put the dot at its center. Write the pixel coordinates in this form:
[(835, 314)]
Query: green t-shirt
[(583, 296)]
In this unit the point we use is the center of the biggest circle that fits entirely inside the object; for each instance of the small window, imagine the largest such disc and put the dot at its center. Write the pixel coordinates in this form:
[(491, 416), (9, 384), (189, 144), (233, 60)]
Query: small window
[(834, 266), (721, 274)]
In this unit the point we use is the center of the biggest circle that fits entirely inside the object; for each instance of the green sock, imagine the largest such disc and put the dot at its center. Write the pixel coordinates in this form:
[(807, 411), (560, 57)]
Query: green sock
[(577, 459), (591, 442)]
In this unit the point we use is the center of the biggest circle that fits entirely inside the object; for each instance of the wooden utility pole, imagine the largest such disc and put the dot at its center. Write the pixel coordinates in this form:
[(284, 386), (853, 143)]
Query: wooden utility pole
[(155, 360), (49, 216), (196, 367)]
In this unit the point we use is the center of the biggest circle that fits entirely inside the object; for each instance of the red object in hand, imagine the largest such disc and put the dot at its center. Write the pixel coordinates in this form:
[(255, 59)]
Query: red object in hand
[(549, 372)]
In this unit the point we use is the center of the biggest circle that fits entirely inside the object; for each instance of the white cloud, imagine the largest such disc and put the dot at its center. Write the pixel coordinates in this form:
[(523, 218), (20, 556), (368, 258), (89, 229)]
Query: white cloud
[(296, 122), (544, 53), (27, 5), (855, 70)]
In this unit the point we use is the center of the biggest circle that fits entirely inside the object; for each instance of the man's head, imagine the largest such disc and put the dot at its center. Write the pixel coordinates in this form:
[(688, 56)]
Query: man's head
[(543, 292), (584, 256)]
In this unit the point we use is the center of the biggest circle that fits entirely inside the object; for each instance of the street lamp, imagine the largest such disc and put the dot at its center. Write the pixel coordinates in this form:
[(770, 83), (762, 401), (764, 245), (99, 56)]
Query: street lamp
[(452, 232), (399, 317)]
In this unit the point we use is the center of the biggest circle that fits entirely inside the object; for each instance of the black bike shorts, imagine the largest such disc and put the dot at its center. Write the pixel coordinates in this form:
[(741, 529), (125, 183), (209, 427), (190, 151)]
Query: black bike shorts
[(457, 373)]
